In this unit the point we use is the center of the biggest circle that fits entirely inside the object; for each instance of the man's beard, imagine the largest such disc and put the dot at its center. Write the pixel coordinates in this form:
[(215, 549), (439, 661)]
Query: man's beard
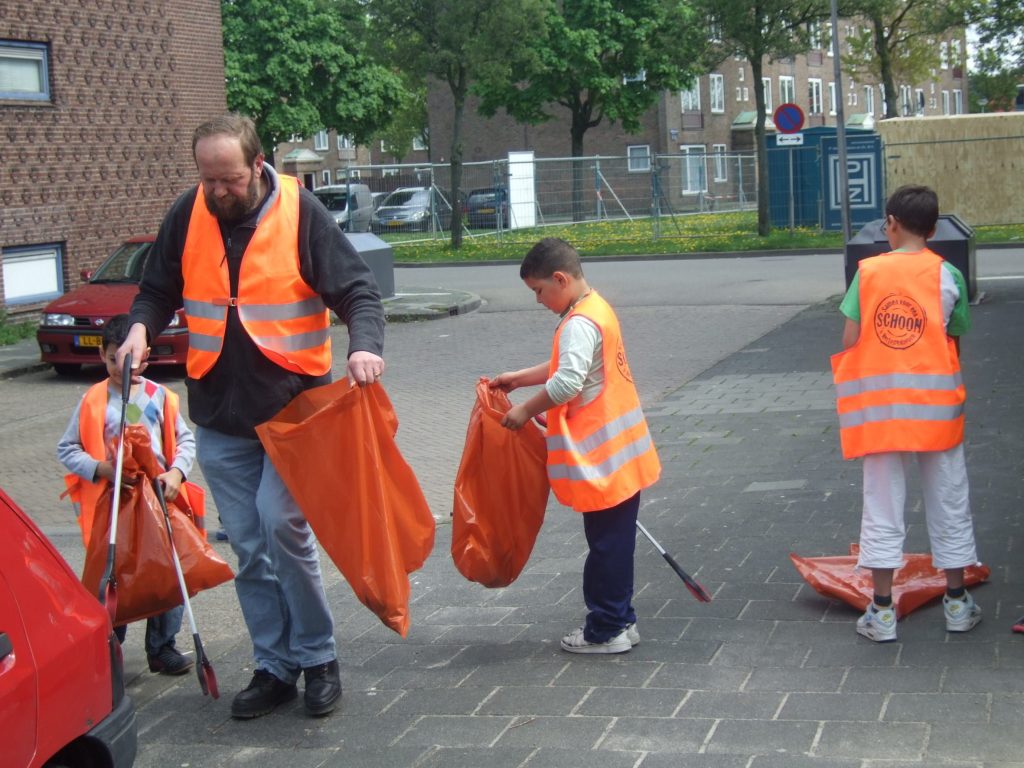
[(230, 208)]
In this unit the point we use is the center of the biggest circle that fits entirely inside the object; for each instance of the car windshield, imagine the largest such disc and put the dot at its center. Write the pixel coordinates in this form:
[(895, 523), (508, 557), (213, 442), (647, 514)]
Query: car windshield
[(480, 196), (408, 197), (334, 201), (124, 265)]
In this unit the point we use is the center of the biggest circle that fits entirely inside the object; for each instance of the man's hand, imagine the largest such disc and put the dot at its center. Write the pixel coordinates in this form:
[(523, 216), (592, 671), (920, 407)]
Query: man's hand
[(364, 368), (137, 343)]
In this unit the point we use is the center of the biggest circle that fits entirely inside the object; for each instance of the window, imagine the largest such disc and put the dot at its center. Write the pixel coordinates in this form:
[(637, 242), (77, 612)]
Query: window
[(958, 101), (766, 82), (945, 102), (325, 177), (739, 93), (340, 174), (639, 157), (906, 105), (787, 89), (814, 96), (695, 177), (24, 71), (721, 162), (918, 101), (740, 74), (881, 100), (690, 99), (814, 35), (419, 143), (320, 141), (714, 30), (869, 99), (831, 98), (639, 77), (943, 55), (954, 54), (345, 142), (33, 273), (717, 88)]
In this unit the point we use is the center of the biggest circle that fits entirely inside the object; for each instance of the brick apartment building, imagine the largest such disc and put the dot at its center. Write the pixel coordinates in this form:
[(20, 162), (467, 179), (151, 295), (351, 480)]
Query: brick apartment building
[(98, 101)]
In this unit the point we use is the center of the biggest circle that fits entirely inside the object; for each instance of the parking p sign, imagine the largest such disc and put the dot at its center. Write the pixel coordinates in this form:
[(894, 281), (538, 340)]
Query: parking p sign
[(788, 118)]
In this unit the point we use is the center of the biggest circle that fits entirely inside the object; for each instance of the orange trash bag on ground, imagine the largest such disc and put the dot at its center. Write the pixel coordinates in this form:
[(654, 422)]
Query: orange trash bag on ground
[(146, 582), (913, 585), (501, 491), (334, 448)]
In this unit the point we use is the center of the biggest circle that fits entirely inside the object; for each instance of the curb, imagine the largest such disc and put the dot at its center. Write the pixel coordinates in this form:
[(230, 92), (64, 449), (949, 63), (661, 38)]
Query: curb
[(423, 304), (21, 370)]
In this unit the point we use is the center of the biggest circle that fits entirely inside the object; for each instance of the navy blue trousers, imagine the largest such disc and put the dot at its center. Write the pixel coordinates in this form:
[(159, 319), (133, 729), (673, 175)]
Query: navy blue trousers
[(608, 572)]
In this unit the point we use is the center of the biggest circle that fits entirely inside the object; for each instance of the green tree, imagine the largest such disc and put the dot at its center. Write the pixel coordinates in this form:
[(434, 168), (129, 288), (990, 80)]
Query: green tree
[(300, 66), (600, 60), (408, 123), (993, 82), (458, 42), (899, 44), (760, 30), (1000, 27)]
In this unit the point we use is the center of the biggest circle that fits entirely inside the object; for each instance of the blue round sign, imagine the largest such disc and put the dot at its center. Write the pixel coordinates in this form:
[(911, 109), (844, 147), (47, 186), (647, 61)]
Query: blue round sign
[(788, 118)]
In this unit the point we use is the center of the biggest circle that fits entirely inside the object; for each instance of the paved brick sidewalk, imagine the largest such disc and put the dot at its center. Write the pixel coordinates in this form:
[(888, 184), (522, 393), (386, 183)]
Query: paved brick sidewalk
[(768, 674)]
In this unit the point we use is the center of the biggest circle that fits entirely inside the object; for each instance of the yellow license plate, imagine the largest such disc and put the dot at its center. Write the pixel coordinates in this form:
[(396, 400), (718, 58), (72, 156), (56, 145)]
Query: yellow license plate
[(395, 223), (89, 341)]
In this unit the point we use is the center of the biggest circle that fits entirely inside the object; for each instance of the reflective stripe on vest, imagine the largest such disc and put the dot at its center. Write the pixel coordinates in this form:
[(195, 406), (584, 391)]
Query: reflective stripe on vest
[(899, 388), (601, 454), (284, 316)]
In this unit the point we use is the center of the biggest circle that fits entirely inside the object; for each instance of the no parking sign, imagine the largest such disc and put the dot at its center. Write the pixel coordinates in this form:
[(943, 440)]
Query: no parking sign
[(788, 118)]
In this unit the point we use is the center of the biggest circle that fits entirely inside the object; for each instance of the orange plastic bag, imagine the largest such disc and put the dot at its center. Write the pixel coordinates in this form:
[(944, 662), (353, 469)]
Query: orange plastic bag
[(913, 585), (501, 491), (334, 448), (145, 580)]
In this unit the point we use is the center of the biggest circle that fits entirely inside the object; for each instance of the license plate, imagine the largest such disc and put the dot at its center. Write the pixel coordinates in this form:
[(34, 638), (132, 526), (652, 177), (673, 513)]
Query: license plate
[(394, 223), (88, 341), (486, 210)]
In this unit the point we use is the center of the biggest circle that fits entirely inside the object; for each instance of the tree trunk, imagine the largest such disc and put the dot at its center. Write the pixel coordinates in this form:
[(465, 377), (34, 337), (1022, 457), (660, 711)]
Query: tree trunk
[(885, 66), (455, 162), (580, 120), (764, 224)]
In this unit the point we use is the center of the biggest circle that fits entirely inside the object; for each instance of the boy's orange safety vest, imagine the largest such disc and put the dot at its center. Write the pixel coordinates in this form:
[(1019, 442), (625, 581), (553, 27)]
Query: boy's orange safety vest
[(602, 454), (899, 386), (91, 420), (284, 316)]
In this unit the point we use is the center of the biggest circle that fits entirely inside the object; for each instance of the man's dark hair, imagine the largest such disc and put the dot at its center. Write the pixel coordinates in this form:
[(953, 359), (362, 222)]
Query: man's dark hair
[(916, 207), (550, 255), (232, 124), (116, 330)]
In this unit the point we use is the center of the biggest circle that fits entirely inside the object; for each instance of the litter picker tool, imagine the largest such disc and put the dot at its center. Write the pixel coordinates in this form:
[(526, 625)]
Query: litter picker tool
[(108, 581), (696, 589), (204, 669)]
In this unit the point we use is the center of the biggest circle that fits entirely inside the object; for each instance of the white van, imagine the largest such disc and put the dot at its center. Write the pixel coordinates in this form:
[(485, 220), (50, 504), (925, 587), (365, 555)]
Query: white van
[(350, 204)]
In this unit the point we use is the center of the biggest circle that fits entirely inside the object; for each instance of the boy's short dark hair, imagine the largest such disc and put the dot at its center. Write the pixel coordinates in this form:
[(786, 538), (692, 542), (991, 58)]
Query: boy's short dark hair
[(116, 330), (916, 207), (550, 255)]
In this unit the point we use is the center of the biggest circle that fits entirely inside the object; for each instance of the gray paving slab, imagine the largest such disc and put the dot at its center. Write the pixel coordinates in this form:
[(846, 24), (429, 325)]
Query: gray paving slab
[(768, 675)]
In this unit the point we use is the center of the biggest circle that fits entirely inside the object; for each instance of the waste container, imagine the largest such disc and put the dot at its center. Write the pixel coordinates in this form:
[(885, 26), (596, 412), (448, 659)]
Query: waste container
[(379, 257), (954, 241)]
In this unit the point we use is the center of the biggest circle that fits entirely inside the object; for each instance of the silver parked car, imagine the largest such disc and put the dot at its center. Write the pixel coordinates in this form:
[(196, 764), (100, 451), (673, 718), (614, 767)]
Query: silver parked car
[(350, 204)]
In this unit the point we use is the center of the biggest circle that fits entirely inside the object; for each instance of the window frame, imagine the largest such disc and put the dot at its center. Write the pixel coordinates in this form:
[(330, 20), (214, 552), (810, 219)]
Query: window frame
[(832, 96), (321, 141), (687, 150), (14, 254), (631, 158), (690, 96), (716, 93), (16, 50), (787, 83), (815, 95), (766, 83), (720, 152)]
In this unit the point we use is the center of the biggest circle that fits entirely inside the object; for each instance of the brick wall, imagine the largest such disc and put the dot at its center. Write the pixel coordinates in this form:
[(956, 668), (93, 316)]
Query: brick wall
[(129, 80)]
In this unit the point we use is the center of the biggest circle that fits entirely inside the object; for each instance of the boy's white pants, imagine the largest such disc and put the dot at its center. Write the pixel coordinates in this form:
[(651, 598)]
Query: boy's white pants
[(947, 508)]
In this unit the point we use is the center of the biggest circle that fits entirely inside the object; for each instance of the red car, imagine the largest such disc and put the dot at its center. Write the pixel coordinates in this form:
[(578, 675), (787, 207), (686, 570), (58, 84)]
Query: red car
[(71, 329), (62, 698)]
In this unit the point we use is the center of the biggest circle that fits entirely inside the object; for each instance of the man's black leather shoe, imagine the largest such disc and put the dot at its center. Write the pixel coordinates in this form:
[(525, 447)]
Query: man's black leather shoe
[(263, 694), (323, 688)]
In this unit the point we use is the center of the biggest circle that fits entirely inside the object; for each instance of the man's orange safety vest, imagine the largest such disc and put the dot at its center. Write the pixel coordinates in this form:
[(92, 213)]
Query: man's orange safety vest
[(602, 454), (284, 316), (899, 387), (91, 421)]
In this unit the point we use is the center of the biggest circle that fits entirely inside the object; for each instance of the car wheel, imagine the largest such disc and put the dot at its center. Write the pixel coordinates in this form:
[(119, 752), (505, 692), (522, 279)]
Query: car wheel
[(67, 369)]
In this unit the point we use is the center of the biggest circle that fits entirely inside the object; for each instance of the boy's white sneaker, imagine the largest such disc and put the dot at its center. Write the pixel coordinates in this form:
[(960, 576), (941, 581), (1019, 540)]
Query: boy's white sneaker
[(962, 615), (574, 642), (878, 624)]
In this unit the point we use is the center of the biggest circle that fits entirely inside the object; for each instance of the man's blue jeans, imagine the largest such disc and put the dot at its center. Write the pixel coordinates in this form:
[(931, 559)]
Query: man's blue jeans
[(278, 580)]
